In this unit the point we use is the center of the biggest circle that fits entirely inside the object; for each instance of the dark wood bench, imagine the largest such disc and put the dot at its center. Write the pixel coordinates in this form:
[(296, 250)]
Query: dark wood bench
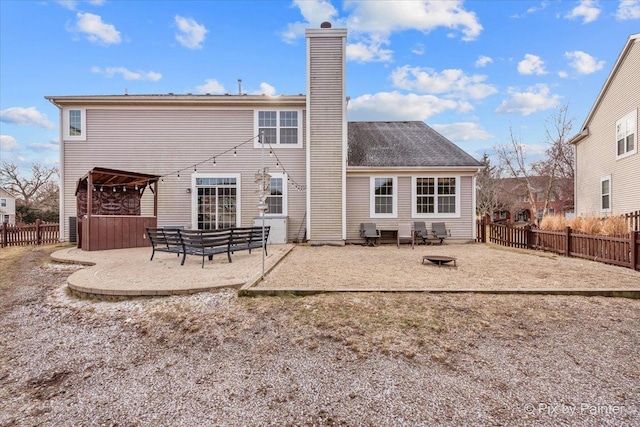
[(165, 240), (247, 238), (206, 243)]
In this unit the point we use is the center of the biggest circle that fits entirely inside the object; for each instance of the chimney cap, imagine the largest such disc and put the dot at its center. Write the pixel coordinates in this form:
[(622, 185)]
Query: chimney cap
[(325, 24)]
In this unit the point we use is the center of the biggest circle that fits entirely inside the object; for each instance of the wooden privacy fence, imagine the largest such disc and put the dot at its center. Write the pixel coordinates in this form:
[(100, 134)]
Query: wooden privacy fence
[(621, 250), (34, 234)]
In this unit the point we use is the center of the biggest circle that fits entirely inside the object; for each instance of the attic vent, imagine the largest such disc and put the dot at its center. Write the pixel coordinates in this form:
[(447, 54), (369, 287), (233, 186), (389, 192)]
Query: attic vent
[(325, 24)]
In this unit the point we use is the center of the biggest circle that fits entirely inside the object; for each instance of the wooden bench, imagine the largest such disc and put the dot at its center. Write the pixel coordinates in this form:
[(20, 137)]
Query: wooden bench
[(206, 243), (165, 240), (247, 238)]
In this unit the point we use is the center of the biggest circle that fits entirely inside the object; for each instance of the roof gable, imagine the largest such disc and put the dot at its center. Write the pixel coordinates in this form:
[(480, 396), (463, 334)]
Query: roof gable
[(375, 144), (614, 71)]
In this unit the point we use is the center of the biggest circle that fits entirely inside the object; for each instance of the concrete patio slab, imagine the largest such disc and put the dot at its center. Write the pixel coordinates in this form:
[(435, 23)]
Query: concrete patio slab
[(129, 273)]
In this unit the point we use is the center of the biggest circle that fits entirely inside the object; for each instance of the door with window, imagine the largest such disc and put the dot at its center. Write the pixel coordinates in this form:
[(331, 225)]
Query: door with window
[(216, 203)]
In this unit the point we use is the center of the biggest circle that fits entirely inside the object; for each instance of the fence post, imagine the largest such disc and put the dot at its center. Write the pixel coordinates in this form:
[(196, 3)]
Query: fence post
[(634, 249), (4, 242), (567, 245), (528, 236), (38, 237)]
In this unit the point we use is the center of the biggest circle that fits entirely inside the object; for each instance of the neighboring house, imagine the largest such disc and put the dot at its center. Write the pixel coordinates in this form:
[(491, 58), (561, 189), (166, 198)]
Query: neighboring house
[(7, 207), (607, 158), (327, 175), (516, 203)]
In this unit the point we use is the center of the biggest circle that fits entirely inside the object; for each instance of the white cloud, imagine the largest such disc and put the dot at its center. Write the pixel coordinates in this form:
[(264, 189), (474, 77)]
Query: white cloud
[(386, 17), (588, 10), (72, 4), (191, 33), (452, 82), (463, 131), (96, 30), (534, 99), (532, 9), (128, 75), (211, 86), (582, 62), (482, 61), (563, 74), (46, 146), (397, 106), (531, 64), (314, 12), (29, 116), (371, 52), (8, 143), (418, 49), (371, 23), (628, 9), (265, 89)]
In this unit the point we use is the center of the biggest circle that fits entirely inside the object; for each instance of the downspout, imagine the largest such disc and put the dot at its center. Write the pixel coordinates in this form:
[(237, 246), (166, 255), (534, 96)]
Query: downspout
[(62, 226)]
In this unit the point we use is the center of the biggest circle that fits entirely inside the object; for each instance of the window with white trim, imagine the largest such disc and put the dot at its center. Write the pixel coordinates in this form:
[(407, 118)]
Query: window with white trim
[(74, 124), (605, 194), (6, 218), (3, 203), (626, 135), (383, 197), (435, 196), (277, 198), (279, 127)]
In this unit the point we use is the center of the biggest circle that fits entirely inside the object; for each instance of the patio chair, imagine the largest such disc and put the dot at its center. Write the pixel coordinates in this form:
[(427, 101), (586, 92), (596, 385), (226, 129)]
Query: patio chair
[(440, 231), (405, 233), (420, 232), (370, 233)]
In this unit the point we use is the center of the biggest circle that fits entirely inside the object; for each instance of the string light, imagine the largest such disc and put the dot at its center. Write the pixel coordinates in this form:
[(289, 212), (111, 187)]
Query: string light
[(136, 187), (234, 149), (124, 189), (101, 188), (114, 189)]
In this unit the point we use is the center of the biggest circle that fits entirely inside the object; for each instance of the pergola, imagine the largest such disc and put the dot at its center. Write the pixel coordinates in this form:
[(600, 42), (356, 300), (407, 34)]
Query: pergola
[(110, 209)]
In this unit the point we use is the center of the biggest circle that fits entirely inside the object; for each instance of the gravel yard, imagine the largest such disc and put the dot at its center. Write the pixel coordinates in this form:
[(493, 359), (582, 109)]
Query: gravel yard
[(478, 266), (332, 359)]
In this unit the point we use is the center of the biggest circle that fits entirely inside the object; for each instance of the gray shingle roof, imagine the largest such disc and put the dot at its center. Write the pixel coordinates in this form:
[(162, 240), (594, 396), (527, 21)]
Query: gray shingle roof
[(402, 144)]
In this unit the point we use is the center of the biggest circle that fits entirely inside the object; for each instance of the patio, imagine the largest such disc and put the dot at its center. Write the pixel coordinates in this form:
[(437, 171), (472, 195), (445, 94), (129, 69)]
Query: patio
[(307, 270), (128, 272)]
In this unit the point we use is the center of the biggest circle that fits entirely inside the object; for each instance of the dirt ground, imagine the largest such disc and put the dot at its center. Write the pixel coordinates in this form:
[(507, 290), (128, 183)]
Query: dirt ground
[(478, 267), (339, 359)]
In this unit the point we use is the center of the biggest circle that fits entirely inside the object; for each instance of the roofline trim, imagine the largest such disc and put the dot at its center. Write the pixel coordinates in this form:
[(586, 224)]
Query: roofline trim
[(632, 38), (410, 169)]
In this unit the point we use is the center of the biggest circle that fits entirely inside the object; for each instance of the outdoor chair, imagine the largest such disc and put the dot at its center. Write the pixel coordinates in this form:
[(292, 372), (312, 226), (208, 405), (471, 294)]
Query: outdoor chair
[(370, 233), (420, 232), (405, 233), (440, 231)]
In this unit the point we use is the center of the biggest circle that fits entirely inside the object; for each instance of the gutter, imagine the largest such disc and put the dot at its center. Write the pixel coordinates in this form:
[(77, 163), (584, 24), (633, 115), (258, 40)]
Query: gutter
[(579, 137)]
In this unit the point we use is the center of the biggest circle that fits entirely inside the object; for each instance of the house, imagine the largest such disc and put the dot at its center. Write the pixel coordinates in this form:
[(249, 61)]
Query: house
[(607, 161), (522, 203), (7, 207), (326, 175)]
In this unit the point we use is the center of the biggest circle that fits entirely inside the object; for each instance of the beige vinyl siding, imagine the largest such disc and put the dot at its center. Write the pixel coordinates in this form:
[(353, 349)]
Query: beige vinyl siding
[(596, 154), (162, 140), (358, 208), (326, 105)]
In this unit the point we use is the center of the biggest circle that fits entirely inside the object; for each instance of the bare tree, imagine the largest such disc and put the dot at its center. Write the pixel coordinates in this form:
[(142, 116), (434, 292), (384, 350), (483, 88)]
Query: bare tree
[(513, 159), (488, 192), (558, 163), (27, 188), (551, 176)]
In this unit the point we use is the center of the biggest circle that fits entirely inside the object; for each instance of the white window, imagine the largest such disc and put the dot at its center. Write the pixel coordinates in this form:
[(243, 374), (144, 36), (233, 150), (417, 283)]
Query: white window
[(435, 196), (626, 135), (605, 194), (279, 127), (3, 203), (277, 195), (552, 211), (6, 218), (74, 125), (383, 197)]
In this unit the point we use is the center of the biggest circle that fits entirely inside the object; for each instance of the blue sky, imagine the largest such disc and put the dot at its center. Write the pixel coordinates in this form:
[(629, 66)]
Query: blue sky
[(470, 69)]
